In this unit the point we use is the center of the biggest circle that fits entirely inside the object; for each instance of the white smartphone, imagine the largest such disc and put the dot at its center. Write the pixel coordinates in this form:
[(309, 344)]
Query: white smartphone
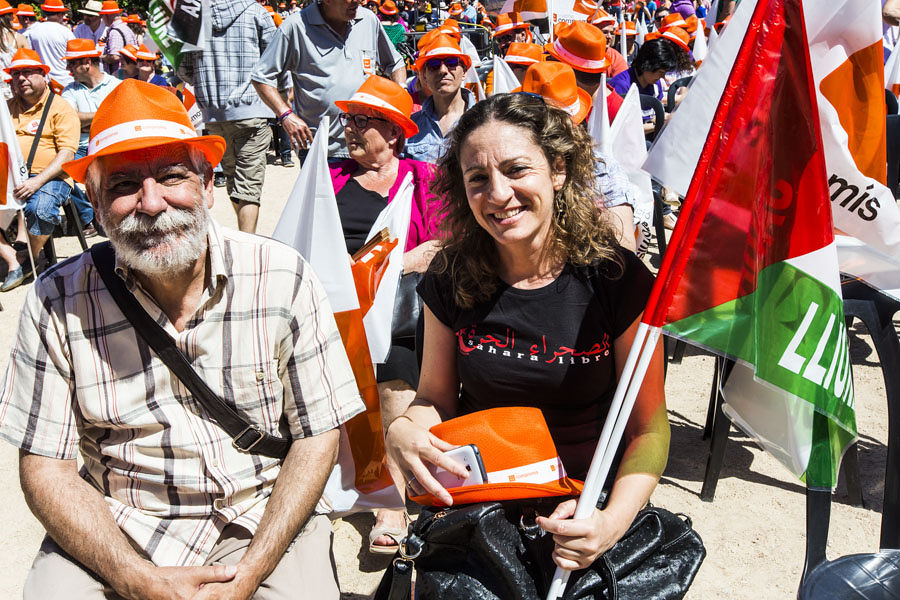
[(470, 458)]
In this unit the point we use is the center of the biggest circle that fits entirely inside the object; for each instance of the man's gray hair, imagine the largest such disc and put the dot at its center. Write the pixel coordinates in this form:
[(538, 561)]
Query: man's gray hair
[(199, 162)]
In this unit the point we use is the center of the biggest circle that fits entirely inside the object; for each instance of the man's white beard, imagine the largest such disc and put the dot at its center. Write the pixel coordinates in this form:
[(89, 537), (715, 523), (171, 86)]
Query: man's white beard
[(170, 242)]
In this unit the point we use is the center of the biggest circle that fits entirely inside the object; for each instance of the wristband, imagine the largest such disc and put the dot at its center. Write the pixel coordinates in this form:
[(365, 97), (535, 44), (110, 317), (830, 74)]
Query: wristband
[(283, 116)]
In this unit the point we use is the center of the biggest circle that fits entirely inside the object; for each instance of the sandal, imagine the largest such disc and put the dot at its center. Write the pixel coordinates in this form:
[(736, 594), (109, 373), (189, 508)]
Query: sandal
[(395, 533)]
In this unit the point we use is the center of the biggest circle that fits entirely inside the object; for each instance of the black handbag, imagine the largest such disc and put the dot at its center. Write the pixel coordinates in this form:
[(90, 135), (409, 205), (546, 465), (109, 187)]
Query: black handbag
[(496, 551), (407, 307)]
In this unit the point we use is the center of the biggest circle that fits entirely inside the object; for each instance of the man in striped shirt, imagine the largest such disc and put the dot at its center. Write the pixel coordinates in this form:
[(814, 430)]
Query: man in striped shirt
[(165, 506)]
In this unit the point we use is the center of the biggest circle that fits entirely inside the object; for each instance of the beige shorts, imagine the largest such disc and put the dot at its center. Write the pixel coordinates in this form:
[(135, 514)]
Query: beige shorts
[(308, 565), (244, 161)]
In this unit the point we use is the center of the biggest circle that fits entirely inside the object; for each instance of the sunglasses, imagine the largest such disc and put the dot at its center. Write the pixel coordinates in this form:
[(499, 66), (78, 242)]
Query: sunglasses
[(359, 121), (451, 62)]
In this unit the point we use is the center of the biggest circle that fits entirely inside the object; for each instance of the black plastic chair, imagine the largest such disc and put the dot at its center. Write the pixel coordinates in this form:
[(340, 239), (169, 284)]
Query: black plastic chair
[(890, 101), (652, 103), (673, 90), (892, 134)]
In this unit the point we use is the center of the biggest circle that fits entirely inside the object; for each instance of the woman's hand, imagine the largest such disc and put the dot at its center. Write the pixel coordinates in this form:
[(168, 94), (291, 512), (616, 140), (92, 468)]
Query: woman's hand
[(410, 446), (579, 542)]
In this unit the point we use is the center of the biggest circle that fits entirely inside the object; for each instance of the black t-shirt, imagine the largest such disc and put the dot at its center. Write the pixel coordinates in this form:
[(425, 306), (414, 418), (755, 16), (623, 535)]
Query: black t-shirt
[(358, 209), (550, 348)]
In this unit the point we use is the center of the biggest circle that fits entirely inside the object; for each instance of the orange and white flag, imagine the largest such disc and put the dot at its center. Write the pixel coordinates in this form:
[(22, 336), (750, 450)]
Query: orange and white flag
[(892, 70), (310, 223), (12, 163)]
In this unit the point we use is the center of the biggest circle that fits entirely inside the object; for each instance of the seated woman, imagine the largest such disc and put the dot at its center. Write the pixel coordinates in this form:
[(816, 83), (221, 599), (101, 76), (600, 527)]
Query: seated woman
[(376, 125), (659, 55), (530, 302), (140, 63)]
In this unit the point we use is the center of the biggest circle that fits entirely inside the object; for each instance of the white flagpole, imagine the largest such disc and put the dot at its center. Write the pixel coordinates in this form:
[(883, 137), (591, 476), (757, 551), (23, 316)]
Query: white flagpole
[(620, 410), (623, 43)]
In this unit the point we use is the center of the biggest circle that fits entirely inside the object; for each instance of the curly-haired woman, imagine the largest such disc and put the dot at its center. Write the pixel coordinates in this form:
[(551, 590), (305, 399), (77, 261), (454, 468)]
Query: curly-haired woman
[(530, 302)]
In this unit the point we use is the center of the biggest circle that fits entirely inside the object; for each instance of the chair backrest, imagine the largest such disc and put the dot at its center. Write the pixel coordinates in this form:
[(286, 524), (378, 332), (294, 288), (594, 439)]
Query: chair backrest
[(890, 101), (653, 103), (673, 90)]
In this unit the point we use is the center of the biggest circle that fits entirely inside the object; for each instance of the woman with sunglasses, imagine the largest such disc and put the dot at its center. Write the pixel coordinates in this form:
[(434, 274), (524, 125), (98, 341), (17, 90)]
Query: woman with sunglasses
[(442, 67), (140, 63), (531, 302), (377, 122)]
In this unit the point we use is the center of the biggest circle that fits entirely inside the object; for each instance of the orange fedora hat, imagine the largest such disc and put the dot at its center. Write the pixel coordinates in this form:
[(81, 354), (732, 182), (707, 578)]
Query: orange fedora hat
[(518, 454), (630, 28), (456, 9), (110, 7), (523, 53), (5, 8), (441, 46), (580, 45), (601, 18), (584, 7), (25, 58), (80, 48), (387, 98), (508, 22), (143, 53), (136, 115), (53, 6), (679, 36), (129, 51), (531, 9), (673, 20), (451, 27), (555, 82), (388, 7), (25, 10)]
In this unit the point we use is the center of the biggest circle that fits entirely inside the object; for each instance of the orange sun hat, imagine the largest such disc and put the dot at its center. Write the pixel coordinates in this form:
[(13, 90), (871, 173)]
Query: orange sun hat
[(555, 82), (81, 48), (523, 53), (517, 451), (580, 45), (442, 46), (387, 98), (136, 115), (26, 58), (679, 36)]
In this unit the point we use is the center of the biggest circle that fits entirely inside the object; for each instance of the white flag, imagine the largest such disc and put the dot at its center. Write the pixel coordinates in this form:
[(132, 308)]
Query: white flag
[(472, 78), (713, 36), (641, 30), (505, 80), (892, 71), (598, 121), (11, 155), (629, 146), (700, 48)]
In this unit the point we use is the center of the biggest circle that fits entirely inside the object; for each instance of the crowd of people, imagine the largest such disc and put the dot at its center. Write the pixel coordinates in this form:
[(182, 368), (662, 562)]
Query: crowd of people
[(522, 237)]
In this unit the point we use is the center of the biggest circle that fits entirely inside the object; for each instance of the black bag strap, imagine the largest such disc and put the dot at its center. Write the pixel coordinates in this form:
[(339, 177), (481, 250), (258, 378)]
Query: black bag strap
[(244, 436), (37, 134)]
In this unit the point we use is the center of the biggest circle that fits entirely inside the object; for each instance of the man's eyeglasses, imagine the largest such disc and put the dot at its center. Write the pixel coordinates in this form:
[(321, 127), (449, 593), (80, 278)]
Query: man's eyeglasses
[(359, 121), (451, 62), (74, 62)]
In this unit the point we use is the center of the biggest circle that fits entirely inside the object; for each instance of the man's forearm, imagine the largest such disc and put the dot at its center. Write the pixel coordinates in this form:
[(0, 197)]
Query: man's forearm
[(79, 521), (54, 169), (270, 97), (294, 497), (86, 118), (399, 76)]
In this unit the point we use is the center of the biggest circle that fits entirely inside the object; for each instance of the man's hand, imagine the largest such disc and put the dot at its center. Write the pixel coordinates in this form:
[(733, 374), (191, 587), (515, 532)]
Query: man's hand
[(298, 131), (241, 587), (26, 190), (180, 583)]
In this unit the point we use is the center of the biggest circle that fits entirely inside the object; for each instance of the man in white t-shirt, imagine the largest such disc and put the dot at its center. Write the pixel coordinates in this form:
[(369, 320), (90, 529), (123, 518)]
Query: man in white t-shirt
[(49, 38)]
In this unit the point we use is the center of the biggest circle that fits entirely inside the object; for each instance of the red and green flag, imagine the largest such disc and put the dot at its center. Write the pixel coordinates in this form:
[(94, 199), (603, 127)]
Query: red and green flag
[(751, 272)]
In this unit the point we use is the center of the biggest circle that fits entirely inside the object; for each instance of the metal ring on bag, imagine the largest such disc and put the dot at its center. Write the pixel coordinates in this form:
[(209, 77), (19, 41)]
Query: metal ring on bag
[(401, 548)]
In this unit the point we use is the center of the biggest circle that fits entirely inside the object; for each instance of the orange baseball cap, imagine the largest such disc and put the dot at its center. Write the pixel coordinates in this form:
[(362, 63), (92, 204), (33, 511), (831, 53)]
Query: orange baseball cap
[(580, 45), (517, 451), (53, 6), (555, 82), (25, 58), (523, 53), (110, 7), (508, 22), (136, 115), (441, 46), (679, 36), (80, 48), (25, 10), (387, 98)]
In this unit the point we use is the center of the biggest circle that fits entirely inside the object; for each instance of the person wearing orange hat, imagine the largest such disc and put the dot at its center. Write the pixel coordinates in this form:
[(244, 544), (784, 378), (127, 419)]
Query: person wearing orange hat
[(510, 28), (672, 20), (10, 41), (527, 255), (152, 530), (658, 56), (392, 22), (456, 11), (377, 124), (630, 33), (89, 87), (328, 52), (118, 35), (47, 188), (140, 63), (606, 23), (442, 65), (137, 26), (451, 27), (26, 16), (49, 38), (555, 82), (91, 26), (520, 56)]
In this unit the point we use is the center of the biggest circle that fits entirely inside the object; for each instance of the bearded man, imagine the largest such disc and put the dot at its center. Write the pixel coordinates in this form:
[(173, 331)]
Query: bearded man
[(168, 504)]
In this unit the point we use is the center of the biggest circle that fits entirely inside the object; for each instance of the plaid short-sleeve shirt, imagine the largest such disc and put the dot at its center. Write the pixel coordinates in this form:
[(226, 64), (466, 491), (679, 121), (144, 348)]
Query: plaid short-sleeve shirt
[(80, 378)]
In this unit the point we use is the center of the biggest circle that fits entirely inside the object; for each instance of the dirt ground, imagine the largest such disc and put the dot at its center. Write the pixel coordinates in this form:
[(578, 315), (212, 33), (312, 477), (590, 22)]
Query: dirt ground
[(754, 530)]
